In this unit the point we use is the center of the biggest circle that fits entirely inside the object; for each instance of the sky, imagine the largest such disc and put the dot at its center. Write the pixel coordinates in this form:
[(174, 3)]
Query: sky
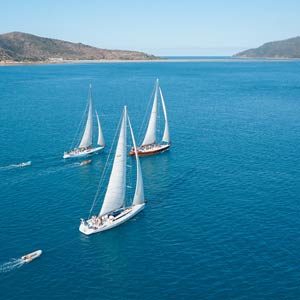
[(165, 27)]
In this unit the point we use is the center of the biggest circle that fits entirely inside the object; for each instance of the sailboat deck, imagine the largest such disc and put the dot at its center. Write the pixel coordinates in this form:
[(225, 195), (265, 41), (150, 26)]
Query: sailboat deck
[(81, 152), (96, 224)]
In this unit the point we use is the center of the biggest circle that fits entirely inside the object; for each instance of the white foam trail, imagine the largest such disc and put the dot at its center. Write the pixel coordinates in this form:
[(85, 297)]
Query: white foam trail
[(11, 265), (9, 167), (13, 166), (44, 172)]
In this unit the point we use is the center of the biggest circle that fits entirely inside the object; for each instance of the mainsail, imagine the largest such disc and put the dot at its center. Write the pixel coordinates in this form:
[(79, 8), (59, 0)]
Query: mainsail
[(139, 188), (166, 136), (87, 138), (115, 193), (150, 136), (101, 141)]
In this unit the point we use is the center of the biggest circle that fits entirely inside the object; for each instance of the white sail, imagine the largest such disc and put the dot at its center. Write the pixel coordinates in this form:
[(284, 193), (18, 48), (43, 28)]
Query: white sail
[(139, 188), (166, 136), (101, 141), (115, 193), (150, 136), (87, 138)]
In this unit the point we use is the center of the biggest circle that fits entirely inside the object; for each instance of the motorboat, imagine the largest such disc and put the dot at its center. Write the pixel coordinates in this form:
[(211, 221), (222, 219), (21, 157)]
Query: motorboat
[(31, 256), (25, 164), (85, 162)]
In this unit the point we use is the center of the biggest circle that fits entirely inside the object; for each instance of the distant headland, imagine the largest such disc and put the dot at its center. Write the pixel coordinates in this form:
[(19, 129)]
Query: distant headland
[(289, 49), (19, 47)]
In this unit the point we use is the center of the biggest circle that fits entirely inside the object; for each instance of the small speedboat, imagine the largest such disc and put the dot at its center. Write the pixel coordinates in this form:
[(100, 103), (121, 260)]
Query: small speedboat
[(85, 162), (31, 256), (25, 164)]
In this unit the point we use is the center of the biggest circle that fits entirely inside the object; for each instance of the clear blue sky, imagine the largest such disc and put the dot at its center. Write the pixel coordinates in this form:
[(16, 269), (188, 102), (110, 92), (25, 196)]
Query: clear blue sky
[(165, 27)]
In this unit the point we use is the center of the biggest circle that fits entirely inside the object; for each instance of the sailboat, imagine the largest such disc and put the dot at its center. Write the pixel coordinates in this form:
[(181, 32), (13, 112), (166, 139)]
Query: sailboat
[(85, 146), (114, 210), (149, 145)]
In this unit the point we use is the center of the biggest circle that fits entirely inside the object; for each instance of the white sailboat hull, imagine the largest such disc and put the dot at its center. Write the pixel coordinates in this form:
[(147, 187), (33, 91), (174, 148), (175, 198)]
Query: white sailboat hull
[(81, 153), (93, 226), (150, 150)]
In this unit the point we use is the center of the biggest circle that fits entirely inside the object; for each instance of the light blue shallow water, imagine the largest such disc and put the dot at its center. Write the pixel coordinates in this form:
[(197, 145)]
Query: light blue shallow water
[(223, 214)]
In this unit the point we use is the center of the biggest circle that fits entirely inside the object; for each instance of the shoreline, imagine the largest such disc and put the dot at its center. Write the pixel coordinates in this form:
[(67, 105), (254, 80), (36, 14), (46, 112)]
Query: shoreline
[(169, 60)]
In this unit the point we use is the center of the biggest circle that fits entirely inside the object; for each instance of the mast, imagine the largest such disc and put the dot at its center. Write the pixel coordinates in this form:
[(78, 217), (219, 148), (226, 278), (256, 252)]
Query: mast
[(166, 136), (101, 141), (115, 193), (87, 138), (150, 136), (139, 188)]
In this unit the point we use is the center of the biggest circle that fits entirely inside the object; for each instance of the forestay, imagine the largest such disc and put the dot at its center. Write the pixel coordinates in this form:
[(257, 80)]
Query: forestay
[(139, 188), (101, 141), (166, 136), (150, 136), (87, 138)]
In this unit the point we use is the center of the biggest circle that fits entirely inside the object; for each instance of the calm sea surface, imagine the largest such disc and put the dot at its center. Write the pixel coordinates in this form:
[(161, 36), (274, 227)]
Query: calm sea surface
[(223, 213)]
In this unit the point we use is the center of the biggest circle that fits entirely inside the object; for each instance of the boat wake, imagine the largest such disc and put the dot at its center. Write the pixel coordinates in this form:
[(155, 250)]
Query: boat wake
[(39, 170), (9, 167), (11, 265), (20, 165)]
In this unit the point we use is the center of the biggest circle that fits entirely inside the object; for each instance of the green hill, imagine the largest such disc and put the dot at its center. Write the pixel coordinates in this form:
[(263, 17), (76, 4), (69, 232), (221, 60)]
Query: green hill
[(289, 48), (24, 47)]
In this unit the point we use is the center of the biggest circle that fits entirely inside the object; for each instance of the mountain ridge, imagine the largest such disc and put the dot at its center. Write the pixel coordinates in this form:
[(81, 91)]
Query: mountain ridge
[(288, 48), (24, 47)]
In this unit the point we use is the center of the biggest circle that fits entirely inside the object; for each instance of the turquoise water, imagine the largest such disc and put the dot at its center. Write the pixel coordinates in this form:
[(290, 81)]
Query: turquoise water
[(223, 216)]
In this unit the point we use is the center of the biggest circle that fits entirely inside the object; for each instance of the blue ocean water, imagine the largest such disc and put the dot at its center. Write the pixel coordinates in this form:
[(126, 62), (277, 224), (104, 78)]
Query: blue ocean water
[(223, 215), (198, 57)]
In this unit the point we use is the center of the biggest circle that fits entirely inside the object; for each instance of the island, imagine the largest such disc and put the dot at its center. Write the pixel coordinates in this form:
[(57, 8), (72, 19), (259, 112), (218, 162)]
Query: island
[(19, 47), (289, 48)]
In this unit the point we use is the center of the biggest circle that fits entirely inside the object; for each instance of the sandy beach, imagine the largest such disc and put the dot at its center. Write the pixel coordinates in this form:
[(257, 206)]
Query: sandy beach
[(169, 60)]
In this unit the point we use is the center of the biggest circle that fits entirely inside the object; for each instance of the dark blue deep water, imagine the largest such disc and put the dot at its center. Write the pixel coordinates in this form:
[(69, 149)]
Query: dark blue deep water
[(223, 213)]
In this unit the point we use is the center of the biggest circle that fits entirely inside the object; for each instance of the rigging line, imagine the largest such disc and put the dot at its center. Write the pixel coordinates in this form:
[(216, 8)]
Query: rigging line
[(86, 111), (129, 179), (164, 109), (132, 190), (158, 129), (142, 128), (105, 169), (79, 127)]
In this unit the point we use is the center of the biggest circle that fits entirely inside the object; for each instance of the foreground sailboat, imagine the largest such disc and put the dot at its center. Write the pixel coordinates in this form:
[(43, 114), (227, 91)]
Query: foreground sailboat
[(114, 211), (150, 145), (85, 146)]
